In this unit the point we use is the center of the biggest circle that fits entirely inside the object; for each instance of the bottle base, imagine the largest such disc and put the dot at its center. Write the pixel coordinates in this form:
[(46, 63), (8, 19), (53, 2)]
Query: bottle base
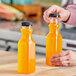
[(26, 72)]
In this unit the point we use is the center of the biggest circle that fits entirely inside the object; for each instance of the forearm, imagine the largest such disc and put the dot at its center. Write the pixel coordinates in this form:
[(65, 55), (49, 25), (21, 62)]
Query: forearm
[(72, 18)]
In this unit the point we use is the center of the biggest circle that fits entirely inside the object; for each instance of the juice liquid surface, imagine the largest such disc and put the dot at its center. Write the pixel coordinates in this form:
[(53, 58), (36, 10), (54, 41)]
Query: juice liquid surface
[(53, 42), (26, 52)]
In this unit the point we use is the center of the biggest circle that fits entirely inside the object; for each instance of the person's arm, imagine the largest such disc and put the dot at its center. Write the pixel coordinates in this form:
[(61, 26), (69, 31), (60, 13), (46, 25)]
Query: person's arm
[(67, 15), (72, 18), (64, 13)]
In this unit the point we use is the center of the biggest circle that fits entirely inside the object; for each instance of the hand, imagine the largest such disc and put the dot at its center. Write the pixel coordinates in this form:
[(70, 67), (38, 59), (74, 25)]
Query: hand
[(66, 58), (64, 14)]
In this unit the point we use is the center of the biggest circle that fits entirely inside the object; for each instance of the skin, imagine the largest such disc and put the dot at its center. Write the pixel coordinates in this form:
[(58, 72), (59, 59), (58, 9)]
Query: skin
[(64, 14), (68, 57)]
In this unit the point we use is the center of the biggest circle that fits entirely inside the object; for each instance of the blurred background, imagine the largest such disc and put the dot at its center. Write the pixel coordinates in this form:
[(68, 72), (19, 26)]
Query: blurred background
[(13, 12)]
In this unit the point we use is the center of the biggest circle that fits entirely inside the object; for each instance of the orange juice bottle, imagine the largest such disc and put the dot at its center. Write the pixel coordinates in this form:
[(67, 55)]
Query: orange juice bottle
[(53, 39), (26, 50)]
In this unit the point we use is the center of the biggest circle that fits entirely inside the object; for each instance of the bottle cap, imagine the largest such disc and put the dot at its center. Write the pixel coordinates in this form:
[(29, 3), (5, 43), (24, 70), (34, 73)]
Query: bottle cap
[(54, 15), (26, 23)]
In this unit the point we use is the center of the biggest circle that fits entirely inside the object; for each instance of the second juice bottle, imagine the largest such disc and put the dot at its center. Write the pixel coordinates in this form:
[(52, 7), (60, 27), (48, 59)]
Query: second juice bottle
[(26, 50), (53, 39)]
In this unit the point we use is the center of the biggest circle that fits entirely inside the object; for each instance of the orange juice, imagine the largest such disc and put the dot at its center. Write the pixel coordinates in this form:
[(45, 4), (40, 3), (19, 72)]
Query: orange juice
[(26, 50), (53, 39)]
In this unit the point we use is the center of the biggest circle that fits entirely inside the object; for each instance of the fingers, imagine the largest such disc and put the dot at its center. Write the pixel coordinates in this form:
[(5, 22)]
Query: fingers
[(65, 63), (64, 53), (56, 9), (45, 16), (56, 63), (52, 9), (60, 61), (61, 58)]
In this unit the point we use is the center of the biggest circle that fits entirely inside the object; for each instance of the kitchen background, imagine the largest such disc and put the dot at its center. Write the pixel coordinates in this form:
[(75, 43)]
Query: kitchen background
[(31, 10)]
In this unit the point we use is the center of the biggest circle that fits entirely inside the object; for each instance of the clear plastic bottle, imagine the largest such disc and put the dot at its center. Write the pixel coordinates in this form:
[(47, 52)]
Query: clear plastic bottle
[(26, 50), (53, 39)]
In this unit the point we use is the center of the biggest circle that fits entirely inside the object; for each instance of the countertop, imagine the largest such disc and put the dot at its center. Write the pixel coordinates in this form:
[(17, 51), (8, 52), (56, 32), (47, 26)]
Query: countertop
[(8, 67)]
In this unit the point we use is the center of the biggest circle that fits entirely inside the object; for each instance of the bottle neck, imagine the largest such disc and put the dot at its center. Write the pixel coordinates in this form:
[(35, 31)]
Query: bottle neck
[(54, 25), (54, 20), (26, 32)]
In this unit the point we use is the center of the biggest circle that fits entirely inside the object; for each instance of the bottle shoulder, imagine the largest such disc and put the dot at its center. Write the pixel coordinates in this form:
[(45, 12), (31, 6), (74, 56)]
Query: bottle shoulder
[(24, 41), (53, 35)]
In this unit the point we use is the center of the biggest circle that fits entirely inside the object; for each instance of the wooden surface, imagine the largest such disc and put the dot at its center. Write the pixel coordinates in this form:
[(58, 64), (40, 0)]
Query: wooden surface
[(8, 67)]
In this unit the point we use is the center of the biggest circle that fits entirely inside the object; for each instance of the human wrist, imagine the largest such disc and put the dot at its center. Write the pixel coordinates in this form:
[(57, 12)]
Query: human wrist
[(67, 15)]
